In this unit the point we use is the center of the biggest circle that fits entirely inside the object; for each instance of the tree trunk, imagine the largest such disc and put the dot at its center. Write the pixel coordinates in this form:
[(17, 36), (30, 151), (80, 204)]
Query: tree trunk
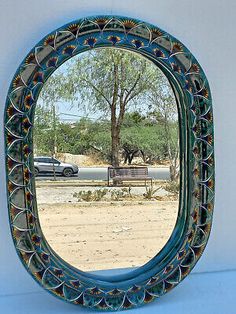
[(115, 139), (115, 147), (174, 168), (173, 173)]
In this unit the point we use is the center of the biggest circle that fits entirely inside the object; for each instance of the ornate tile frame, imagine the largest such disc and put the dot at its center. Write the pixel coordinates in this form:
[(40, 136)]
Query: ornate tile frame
[(189, 238)]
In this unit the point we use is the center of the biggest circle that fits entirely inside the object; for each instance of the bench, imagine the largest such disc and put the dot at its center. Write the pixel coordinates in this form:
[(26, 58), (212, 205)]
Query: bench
[(120, 174)]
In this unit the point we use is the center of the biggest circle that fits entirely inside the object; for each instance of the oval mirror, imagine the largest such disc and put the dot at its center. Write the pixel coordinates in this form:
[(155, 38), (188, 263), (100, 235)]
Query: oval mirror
[(110, 162)]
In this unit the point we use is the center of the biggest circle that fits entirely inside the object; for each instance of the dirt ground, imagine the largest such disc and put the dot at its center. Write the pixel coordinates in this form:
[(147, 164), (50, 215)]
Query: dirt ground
[(106, 236), (95, 161)]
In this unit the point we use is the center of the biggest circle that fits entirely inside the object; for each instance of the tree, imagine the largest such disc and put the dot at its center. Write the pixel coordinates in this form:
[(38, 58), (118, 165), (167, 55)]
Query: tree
[(110, 81), (165, 114), (45, 126), (130, 99), (148, 139)]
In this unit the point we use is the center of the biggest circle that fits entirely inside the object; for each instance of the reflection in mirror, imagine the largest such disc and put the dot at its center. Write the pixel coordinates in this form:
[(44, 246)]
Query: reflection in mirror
[(106, 158)]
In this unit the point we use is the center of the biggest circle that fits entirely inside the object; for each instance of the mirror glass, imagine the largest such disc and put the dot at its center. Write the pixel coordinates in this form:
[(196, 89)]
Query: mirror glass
[(106, 159)]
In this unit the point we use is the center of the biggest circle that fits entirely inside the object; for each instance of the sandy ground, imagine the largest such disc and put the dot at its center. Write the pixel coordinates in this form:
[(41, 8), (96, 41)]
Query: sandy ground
[(106, 236), (95, 161)]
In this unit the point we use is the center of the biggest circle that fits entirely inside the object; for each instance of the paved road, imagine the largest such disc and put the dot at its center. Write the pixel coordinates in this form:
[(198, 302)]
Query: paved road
[(101, 174)]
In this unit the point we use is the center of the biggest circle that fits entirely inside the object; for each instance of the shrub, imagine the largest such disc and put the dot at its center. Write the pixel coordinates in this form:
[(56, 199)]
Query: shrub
[(150, 191), (89, 196), (99, 194), (118, 195), (173, 187)]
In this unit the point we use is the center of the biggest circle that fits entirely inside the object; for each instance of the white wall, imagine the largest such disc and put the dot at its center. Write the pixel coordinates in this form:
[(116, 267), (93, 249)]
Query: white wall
[(206, 27)]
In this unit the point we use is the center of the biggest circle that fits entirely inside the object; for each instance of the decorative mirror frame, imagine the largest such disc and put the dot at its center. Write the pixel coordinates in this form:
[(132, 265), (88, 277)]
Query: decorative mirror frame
[(189, 238)]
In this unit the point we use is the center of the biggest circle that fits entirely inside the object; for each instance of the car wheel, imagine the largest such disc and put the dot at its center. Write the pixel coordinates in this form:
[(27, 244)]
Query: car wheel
[(67, 172), (36, 172)]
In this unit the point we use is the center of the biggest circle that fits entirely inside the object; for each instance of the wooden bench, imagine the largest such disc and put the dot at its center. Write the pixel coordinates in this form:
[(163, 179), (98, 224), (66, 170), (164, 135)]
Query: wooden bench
[(120, 174)]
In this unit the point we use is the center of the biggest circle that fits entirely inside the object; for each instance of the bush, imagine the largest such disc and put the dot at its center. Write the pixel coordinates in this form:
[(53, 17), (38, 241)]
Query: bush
[(118, 195), (89, 196), (173, 187), (150, 191), (99, 194)]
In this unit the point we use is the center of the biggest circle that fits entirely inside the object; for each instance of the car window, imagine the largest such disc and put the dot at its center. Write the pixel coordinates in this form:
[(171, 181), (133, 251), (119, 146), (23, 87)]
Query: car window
[(47, 160), (55, 161), (39, 159)]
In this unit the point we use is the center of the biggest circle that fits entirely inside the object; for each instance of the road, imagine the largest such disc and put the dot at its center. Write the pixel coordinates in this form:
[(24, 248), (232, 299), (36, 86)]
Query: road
[(101, 174)]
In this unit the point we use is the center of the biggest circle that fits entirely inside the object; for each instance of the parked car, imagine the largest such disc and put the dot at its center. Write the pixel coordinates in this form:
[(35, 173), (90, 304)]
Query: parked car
[(45, 165)]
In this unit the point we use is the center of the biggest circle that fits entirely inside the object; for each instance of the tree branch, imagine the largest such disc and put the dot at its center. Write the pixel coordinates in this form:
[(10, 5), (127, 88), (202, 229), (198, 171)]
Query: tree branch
[(132, 88), (99, 91)]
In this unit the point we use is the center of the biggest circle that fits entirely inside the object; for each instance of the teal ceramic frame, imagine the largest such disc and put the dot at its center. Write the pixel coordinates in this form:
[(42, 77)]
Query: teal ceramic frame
[(189, 238)]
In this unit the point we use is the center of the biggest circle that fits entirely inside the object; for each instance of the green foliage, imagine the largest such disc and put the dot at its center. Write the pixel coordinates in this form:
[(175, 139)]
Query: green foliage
[(90, 79), (147, 138), (119, 195), (122, 194), (86, 196), (89, 196), (44, 130), (99, 194), (86, 137), (150, 192), (173, 187)]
